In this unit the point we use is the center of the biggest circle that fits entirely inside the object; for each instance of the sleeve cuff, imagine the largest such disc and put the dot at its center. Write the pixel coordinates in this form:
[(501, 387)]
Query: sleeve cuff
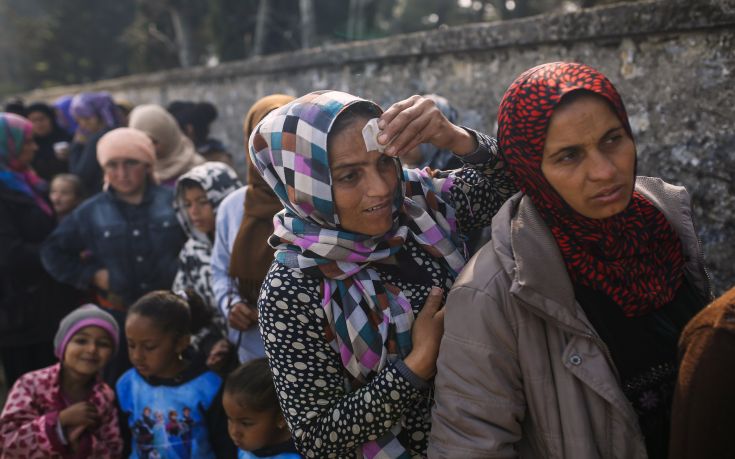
[(60, 433), (487, 148), (415, 380)]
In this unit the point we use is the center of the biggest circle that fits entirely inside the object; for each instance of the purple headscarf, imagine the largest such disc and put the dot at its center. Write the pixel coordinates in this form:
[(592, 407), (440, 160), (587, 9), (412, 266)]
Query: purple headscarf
[(63, 114), (99, 104)]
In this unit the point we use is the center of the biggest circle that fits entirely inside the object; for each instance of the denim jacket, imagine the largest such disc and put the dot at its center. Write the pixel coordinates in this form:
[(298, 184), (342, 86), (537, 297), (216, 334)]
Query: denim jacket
[(137, 244)]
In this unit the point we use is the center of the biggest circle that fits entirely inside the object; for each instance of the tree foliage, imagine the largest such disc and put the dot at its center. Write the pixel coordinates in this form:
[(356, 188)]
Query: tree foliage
[(55, 42)]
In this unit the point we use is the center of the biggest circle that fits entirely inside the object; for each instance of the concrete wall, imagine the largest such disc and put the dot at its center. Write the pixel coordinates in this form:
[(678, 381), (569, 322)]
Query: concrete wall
[(672, 60)]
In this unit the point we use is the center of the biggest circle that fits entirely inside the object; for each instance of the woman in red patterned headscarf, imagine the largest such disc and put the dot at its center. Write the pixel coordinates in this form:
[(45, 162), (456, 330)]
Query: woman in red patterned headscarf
[(560, 335)]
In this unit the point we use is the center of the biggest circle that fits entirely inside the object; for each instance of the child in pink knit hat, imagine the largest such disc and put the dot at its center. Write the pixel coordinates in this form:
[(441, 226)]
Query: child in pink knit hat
[(66, 410)]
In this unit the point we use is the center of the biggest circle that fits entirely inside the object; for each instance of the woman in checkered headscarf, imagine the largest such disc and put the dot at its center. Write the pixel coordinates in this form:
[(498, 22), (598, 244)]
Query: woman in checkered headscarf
[(364, 248)]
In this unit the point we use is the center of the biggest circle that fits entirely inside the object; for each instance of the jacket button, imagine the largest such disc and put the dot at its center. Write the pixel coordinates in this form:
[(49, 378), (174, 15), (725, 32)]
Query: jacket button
[(136, 232), (575, 360), (139, 259), (107, 234)]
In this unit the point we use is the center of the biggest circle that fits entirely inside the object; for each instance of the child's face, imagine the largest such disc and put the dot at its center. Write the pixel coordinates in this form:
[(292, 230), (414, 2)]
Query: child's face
[(251, 430), (88, 351), (152, 351), (63, 197), (199, 209)]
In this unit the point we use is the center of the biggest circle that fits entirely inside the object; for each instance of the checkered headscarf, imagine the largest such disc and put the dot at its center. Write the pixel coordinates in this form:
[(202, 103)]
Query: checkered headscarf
[(370, 319)]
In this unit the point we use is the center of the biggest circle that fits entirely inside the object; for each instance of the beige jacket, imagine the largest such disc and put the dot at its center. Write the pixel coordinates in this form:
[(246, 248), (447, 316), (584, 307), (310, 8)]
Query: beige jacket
[(521, 371)]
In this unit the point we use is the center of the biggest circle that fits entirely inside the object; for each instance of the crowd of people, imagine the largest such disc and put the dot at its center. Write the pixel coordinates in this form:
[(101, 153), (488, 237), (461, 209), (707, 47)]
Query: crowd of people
[(388, 283)]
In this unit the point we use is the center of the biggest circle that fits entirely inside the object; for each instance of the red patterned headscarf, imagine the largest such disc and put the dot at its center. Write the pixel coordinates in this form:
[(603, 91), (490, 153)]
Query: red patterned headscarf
[(634, 257)]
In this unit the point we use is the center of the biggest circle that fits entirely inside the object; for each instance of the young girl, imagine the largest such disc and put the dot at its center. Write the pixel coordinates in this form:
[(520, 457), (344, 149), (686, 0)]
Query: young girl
[(199, 193), (65, 194), (254, 419), (66, 410), (164, 380)]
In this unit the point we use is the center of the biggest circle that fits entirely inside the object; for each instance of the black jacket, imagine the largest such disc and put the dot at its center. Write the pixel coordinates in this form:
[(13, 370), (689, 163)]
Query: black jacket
[(31, 302)]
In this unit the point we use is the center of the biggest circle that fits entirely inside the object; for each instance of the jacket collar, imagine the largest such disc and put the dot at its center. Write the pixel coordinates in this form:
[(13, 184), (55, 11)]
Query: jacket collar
[(530, 254)]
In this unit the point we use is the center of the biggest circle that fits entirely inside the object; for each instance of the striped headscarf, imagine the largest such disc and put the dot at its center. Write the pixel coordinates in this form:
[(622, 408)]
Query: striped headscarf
[(14, 132), (370, 320), (634, 257)]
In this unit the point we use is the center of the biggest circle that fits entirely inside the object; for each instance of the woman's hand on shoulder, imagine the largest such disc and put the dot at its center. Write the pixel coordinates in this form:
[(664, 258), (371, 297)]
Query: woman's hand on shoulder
[(426, 335), (417, 120)]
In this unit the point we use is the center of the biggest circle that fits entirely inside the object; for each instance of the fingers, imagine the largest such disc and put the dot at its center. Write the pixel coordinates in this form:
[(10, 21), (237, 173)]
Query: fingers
[(433, 302), (411, 122), (393, 110), (403, 121), (242, 316)]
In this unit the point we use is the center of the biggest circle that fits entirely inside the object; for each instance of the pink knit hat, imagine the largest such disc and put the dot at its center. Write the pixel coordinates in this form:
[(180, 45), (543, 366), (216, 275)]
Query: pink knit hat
[(126, 143), (88, 315)]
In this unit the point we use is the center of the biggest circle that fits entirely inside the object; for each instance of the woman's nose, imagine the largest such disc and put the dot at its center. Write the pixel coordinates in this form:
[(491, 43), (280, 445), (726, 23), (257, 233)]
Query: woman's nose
[(601, 167), (378, 184)]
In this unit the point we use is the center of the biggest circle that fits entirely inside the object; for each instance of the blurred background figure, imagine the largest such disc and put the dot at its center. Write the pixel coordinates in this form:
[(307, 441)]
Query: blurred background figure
[(62, 107), (53, 141), (195, 119), (16, 106), (702, 422), (175, 153), (198, 195), (125, 107), (31, 302), (66, 193), (241, 255), (95, 114)]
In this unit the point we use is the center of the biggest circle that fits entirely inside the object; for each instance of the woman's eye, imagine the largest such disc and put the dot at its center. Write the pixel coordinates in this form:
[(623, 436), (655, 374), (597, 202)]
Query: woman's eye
[(568, 156), (349, 177), (613, 139)]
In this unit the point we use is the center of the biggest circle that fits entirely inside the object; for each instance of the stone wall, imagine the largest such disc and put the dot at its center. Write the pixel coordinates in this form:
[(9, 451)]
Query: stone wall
[(672, 60)]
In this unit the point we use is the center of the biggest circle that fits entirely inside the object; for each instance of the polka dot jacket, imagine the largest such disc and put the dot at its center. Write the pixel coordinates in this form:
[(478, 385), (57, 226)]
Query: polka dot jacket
[(328, 417)]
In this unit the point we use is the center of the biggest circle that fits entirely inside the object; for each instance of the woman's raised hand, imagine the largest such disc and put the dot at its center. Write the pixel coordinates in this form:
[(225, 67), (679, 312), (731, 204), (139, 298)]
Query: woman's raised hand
[(418, 120), (426, 335)]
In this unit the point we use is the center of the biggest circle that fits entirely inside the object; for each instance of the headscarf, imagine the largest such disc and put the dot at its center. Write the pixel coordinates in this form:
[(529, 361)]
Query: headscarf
[(99, 104), (370, 320), (65, 118), (14, 132), (431, 156), (217, 180), (126, 143), (634, 257), (251, 254), (177, 154)]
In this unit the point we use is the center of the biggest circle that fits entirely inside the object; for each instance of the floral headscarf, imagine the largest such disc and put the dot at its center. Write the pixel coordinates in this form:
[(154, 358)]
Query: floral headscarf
[(634, 257), (370, 320), (14, 132)]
